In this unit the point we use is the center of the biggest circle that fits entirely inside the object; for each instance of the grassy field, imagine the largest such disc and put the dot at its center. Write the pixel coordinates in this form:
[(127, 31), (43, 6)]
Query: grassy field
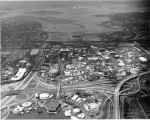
[(50, 20)]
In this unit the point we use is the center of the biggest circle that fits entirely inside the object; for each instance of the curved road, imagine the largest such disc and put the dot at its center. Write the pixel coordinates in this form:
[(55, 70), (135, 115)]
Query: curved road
[(117, 93)]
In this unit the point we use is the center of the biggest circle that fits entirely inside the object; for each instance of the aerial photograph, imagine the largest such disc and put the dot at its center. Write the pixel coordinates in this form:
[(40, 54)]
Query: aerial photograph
[(75, 59)]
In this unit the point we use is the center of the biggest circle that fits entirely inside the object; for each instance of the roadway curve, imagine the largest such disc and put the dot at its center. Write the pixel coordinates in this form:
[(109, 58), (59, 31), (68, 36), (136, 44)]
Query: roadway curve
[(117, 93)]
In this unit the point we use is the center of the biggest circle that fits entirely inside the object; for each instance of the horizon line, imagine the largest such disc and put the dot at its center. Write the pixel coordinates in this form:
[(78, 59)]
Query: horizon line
[(70, 0)]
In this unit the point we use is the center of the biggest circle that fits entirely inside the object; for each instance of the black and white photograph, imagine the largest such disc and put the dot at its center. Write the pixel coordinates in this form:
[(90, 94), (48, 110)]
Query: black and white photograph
[(74, 59)]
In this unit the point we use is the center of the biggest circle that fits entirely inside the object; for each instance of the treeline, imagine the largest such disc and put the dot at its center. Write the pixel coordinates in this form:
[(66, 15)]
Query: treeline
[(19, 33), (27, 25)]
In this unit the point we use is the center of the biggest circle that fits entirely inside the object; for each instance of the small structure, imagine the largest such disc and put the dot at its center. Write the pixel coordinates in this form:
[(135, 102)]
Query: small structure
[(42, 74), (19, 74), (53, 106), (68, 67), (26, 104), (17, 110), (36, 95), (67, 73), (23, 61), (78, 99), (76, 110), (134, 70), (43, 96), (44, 68), (74, 97), (121, 64), (142, 59), (67, 113), (81, 115), (93, 58), (121, 73), (91, 106), (53, 72), (64, 50), (130, 54)]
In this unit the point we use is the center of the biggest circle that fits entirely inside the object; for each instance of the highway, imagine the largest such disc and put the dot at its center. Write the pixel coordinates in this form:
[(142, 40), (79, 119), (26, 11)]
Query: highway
[(117, 93), (105, 86), (141, 48), (24, 82)]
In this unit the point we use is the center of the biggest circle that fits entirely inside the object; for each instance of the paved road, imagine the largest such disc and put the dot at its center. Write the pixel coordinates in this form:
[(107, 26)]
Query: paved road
[(117, 93), (7, 99), (141, 48), (23, 83)]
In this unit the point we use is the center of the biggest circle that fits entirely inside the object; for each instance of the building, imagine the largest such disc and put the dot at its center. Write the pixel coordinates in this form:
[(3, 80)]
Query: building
[(81, 115), (142, 59), (53, 72), (121, 73), (76, 110), (19, 74), (17, 110), (43, 96), (74, 97), (67, 113), (64, 53), (121, 64), (91, 106), (93, 58), (69, 67), (53, 106), (26, 104), (67, 73), (134, 70), (44, 68)]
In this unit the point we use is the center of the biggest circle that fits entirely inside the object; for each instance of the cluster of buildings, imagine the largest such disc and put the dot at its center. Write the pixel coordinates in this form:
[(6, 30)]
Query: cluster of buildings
[(40, 100), (21, 108), (93, 63), (16, 69), (77, 104), (83, 105)]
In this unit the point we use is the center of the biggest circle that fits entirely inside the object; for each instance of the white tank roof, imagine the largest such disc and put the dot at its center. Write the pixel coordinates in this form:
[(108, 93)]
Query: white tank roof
[(81, 115), (53, 70), (18, 109), (143, 59), (134, 70), (26, 104)]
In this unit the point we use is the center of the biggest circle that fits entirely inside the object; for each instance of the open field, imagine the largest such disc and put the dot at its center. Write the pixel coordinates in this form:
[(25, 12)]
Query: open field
[(44, 12)]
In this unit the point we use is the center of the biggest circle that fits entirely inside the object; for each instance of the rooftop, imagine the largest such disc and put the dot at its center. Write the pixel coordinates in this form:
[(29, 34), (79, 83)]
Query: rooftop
[(53, 106)]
